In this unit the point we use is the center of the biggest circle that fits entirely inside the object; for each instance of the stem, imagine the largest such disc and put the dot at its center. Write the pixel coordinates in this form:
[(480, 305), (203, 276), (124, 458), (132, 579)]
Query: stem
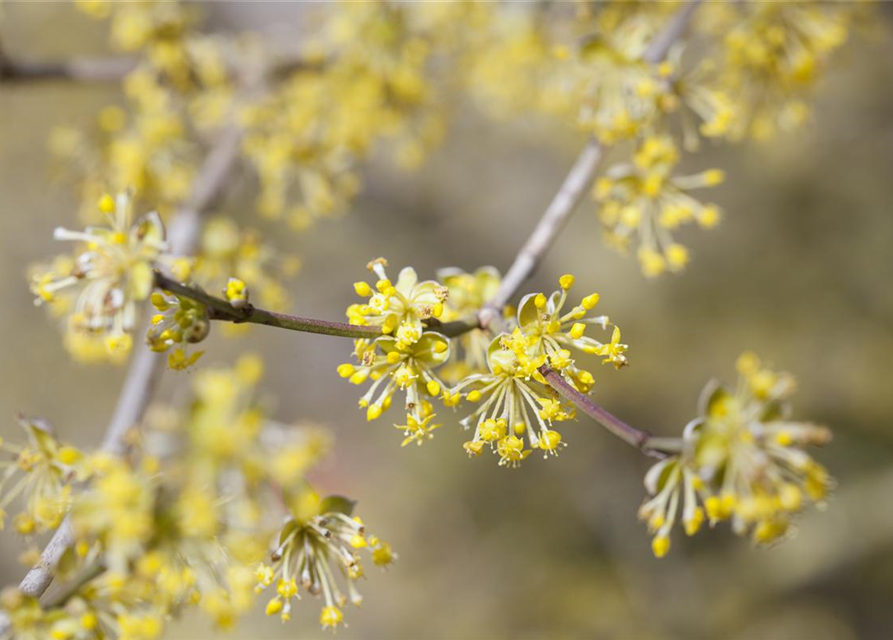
[(641, 440), (576, 183), (220, 309)]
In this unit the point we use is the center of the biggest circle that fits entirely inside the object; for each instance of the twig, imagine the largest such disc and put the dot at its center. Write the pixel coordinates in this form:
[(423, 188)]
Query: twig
[(111, 69), (641, 440), (574, 186), (220, 309), (146, 367)]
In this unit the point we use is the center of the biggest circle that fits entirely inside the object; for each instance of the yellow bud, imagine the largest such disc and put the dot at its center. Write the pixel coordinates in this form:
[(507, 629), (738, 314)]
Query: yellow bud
[(373, 412), (577, 330), (660, 546), (539, 301), (589, 302), (566, 281), (433, 387), (383, 285), (677, 256), (714, 177), (474, 396), (106, 203), (362, 289), (346, 370), (274, 606)]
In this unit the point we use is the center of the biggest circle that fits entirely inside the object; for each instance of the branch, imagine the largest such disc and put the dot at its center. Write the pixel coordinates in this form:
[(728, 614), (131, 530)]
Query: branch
[(641, 440), (220, 309), (111, 69), (574, 186), (146, 367)]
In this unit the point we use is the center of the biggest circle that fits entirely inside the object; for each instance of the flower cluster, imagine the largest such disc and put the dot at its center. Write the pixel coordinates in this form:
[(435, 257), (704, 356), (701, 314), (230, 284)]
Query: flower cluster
[(644, 201), (742, 460), (183, 521), (366, 81), (42, 470), (468, 294), (112, 270), (502, 372), (320, 539)]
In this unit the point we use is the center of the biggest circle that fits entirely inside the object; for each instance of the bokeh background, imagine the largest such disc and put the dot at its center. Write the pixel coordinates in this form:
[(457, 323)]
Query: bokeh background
[(800, 271)]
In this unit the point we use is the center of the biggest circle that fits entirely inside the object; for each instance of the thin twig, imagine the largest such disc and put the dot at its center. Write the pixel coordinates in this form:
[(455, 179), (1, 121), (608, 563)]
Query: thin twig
[(574, 186), (146, 367), (641, 440), (110, 69), (220, 309)]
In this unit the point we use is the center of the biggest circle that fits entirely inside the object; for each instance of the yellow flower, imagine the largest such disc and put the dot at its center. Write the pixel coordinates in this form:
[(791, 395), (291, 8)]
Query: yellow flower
[(110, 273), (400, 308), (394, 366), (740, 461), (643, 201)]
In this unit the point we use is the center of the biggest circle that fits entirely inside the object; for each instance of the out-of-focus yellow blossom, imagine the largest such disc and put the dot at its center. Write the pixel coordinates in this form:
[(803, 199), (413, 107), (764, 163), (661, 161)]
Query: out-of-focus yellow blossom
[(110, 273), (772, 54), (179, 322), (550, 333), (226, 250), (320, 538), (181, 522), (370, 84), (743, 461), (643, 201), (40, 473), (399, 309), (393, 366), (515, 402), (468, 293)]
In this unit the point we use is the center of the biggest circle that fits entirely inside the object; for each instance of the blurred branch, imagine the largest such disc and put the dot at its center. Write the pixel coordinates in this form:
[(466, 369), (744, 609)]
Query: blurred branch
[(146, 366), (574, 186), (115, 68)]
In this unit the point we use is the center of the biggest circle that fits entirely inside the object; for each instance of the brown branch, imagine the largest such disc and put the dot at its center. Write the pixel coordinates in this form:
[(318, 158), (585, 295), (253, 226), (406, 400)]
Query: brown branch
[(574, 186), (641, 440), (220, 309)]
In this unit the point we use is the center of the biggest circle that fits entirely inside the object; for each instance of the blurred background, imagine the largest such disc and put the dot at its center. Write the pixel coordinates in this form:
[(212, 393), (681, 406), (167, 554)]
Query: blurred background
[(800, 271)]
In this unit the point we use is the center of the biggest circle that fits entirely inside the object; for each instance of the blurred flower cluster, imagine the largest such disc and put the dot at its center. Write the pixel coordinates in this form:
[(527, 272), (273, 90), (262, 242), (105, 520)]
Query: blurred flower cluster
[(742, 460), (502, 371), (590, 64), (191, 516)]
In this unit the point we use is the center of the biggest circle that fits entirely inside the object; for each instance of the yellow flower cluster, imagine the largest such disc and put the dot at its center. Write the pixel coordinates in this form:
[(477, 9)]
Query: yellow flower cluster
[(98, 288), (771, 55), (179, 321), (366, 81), (742, 460), (468, 294), (644, 201), (182, 522), (41, 471), (501, 372), (320, 538)]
